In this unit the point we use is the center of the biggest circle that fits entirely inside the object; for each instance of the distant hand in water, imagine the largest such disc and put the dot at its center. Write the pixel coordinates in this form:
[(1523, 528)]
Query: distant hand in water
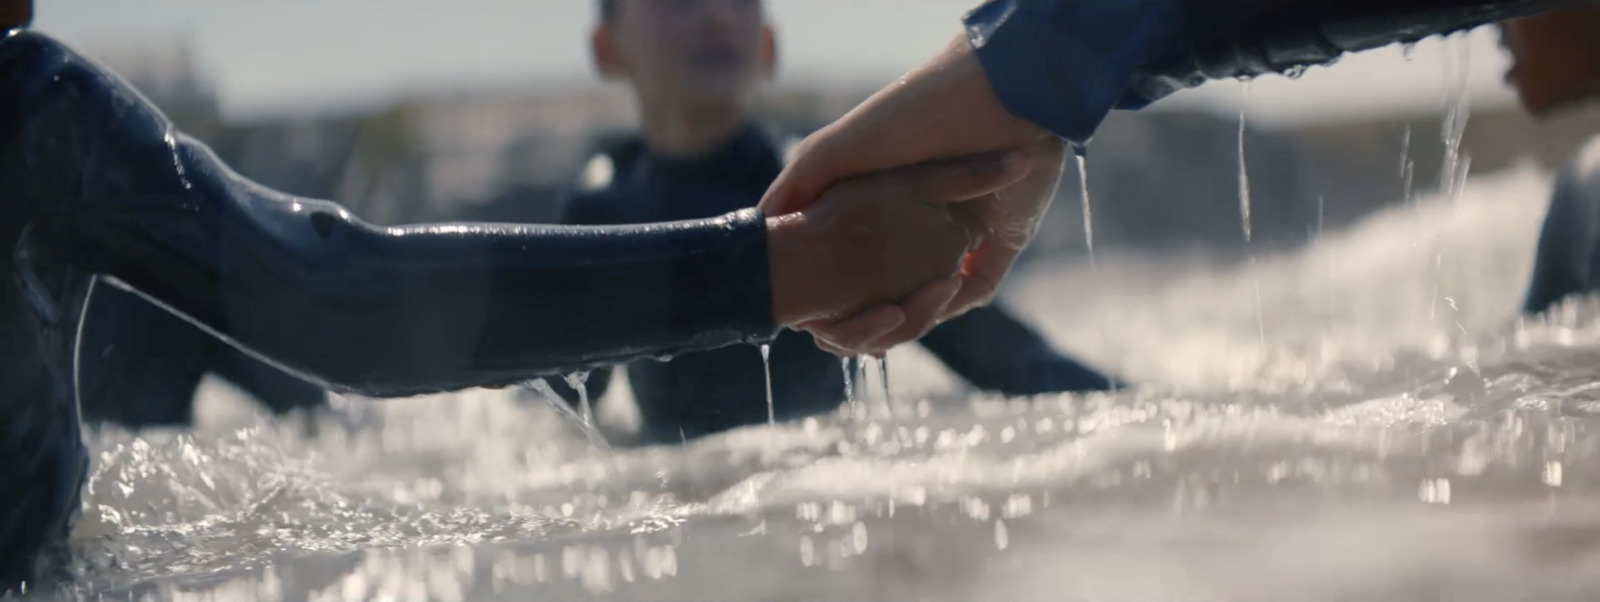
[(945, 108), (875, 239)]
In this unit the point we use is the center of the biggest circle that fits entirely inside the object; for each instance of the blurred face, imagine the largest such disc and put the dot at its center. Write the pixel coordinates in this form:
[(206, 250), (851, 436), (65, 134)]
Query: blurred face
[(1555, 58), (687, 52)]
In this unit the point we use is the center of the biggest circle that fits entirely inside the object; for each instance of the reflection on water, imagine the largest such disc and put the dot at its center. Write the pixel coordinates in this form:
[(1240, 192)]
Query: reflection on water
[(1371, 447)]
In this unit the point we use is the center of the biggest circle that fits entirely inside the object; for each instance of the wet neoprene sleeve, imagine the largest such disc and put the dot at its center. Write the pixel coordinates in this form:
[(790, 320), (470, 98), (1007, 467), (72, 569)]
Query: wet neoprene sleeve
[(1065, 64), (302, 283)]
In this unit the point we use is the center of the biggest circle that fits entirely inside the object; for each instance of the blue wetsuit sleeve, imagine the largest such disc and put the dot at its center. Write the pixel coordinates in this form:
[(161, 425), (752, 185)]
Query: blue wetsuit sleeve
[(1066, 64), (995, 351)]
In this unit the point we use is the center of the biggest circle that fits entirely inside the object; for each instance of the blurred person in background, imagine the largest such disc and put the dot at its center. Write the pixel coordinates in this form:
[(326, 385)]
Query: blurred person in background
[(694, 66), (1556, 68)]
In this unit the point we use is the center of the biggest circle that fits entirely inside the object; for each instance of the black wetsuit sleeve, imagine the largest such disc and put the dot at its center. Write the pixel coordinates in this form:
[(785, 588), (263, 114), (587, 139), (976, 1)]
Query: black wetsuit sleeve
[(995, 351), (395, 312), (578, 209), (1065, 64), (106, 184)]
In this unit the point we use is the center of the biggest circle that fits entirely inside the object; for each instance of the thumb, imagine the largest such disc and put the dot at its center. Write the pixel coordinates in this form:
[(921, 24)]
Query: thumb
[(793, 190)]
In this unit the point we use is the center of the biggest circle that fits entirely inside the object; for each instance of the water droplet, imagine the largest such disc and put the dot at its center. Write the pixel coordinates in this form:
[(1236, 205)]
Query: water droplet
[(1295, 72), (1002, 538)]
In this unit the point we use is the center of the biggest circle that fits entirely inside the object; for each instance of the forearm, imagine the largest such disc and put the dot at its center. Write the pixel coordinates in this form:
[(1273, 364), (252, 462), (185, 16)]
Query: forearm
[(390, 312), (1065, 64)]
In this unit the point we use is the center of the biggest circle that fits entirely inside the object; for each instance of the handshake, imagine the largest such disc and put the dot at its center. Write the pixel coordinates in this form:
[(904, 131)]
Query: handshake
[(908, 211)]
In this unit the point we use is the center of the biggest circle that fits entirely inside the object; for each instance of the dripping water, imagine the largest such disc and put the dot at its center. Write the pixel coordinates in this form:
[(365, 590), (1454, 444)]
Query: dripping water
[(1081, 154), (550, 397), (1453, 172), (579, 381), (1244, 217), (860, 370), (766, 366), (1244, 182), (1407, 169), (1456, 113), (1407, 178), (849, 384), (883, 376)]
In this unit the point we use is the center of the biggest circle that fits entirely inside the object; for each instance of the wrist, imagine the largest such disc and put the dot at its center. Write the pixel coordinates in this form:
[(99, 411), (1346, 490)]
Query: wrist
[(788, 245)]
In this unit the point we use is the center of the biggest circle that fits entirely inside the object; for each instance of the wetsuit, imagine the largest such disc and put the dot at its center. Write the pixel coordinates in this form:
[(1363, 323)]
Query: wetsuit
[(712, 391), (140, 367), (1567, 259), (96, 181), (1066, 64)]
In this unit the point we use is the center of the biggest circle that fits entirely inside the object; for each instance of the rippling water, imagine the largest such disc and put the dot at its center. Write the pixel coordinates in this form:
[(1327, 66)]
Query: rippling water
[(1395, 434)]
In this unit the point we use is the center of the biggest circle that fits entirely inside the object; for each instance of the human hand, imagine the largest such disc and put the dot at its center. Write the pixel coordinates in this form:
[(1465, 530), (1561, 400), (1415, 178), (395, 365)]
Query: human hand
[(1011, 218), (871, 240), (943, 108)]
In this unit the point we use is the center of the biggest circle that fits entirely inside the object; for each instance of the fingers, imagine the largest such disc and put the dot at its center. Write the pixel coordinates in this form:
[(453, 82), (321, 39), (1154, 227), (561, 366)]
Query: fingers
[(951, 180), (981, 274), (794, 190), (948, 180), (920, 313), (843, 337)]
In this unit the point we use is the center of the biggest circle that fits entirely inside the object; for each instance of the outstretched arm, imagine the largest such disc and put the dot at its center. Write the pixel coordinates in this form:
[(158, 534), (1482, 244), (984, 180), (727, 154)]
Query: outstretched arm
[(100, 181), (1027, 70)]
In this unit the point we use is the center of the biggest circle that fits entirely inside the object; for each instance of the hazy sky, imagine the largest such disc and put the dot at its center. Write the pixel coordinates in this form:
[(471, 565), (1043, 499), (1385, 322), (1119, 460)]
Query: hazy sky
[(271, 56)]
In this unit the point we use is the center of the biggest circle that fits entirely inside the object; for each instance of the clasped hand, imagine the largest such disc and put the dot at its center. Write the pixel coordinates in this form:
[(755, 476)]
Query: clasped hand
[(944, 109)]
